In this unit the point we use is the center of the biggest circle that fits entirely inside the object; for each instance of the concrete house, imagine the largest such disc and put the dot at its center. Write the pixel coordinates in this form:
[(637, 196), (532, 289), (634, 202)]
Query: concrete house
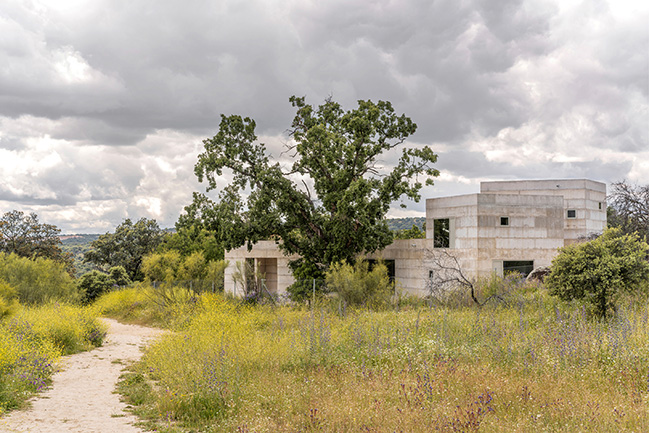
[(507, 226)]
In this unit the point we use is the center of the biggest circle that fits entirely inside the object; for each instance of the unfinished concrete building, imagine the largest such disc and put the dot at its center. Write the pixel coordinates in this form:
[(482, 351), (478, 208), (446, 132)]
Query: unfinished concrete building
[(508, 226)]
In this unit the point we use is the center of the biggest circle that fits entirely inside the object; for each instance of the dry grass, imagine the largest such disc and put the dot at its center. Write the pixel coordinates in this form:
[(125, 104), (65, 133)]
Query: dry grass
[(536, 365)]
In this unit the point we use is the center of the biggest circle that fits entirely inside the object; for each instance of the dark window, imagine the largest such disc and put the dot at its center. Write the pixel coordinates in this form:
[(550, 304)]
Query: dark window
[(523, 267), (572, 213), (600, 205), (249, 271), (504, 221), (441, 233)]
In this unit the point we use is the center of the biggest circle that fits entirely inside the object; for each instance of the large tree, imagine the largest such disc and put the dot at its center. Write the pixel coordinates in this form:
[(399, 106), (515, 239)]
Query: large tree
[(25, 236), (126, 247), (330, 204), (629, 208)]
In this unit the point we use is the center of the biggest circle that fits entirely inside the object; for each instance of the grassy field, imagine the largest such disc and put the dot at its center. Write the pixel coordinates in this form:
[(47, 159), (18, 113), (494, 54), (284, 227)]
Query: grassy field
[(33, 339), (533, 365)]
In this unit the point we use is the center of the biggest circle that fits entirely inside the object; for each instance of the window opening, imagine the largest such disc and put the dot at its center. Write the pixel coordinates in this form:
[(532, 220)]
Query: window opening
[(504, 221), (442, 233), (572, 213), (523, 267)]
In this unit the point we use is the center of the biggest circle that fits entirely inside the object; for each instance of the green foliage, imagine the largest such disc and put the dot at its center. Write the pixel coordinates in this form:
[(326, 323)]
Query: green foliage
[(38, 281), (331, 204), (126, 247), (398, 224), (360, 286), (304, 273), (8, 299), (191, 272), (411, 233), (161, 266), (95, 283), (191, 237), (76, 246), (193, 267), (119, 276), (24, 236), (599, 270)]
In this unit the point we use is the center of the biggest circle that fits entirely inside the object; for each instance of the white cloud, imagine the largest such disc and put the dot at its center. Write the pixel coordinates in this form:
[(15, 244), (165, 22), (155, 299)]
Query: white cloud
[(103, 105)]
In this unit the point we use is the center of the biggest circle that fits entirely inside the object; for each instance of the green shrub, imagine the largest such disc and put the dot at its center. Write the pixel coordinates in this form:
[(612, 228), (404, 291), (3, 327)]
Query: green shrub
[(95, 283), (600, 270), (358, 285), (38, 281), (8, 299), (119, 276), (161, 266)]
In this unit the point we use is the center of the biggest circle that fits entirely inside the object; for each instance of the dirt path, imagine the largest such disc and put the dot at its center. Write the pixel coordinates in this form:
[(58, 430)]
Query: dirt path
[(81, 398)]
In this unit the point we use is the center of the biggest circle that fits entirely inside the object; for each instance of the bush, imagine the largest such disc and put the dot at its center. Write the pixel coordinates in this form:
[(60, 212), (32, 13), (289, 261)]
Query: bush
[(95, 283), (161, 266), (600, 270), (8, 299), (358, 285), (38, 281)]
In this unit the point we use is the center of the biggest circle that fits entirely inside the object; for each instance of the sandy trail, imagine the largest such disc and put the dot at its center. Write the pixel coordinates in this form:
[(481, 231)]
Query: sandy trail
[(82, 397)]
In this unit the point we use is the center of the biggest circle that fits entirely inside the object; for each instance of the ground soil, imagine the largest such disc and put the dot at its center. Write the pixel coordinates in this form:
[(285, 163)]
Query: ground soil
[(82, 396)]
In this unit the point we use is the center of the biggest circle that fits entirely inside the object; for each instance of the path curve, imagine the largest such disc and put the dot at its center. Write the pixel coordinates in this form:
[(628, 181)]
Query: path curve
[(81, 398)]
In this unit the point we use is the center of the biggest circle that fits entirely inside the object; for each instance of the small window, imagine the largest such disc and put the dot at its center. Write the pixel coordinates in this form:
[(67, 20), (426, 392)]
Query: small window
[(504, 221), (441, 233), (523, 267), (600, 205), (572, 213)]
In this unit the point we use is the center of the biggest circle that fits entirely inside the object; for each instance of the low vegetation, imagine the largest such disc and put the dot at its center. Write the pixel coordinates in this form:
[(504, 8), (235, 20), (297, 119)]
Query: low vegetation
[(532, 363), (32, 339), (38, 281)]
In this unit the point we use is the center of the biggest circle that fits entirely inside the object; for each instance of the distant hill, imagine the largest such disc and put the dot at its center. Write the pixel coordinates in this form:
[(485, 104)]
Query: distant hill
[(396, 224), (77, 245)]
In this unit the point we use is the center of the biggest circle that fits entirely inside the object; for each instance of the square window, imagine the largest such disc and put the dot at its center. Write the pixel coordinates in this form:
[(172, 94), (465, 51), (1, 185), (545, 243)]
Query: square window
[(504, 221), (572, 213)]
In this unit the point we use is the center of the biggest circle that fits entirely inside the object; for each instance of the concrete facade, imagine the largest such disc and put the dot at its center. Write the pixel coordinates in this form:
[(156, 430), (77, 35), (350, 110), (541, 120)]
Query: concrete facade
[(509, 225)]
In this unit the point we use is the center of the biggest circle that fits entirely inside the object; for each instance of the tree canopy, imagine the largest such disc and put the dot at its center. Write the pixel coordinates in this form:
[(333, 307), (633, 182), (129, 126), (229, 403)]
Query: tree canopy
[(327, 206), (126, 247), (629, 208), (25, 236), (599, 270)]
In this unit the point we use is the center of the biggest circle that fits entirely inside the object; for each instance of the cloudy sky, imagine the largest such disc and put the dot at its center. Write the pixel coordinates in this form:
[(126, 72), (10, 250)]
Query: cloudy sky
[(104, 103)]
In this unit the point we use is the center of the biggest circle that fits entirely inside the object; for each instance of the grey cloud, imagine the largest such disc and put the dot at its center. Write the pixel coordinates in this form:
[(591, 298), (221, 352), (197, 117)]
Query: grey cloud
[(465, 72)]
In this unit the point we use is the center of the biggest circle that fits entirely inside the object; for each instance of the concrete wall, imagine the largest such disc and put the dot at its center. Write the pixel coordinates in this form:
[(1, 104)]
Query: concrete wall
[(276, 269), (538, 226), (586, 197), (534, 232)]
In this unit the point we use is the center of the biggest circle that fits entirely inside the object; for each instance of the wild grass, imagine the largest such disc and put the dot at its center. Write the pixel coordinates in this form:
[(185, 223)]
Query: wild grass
[(33, 339), (533, 364)]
